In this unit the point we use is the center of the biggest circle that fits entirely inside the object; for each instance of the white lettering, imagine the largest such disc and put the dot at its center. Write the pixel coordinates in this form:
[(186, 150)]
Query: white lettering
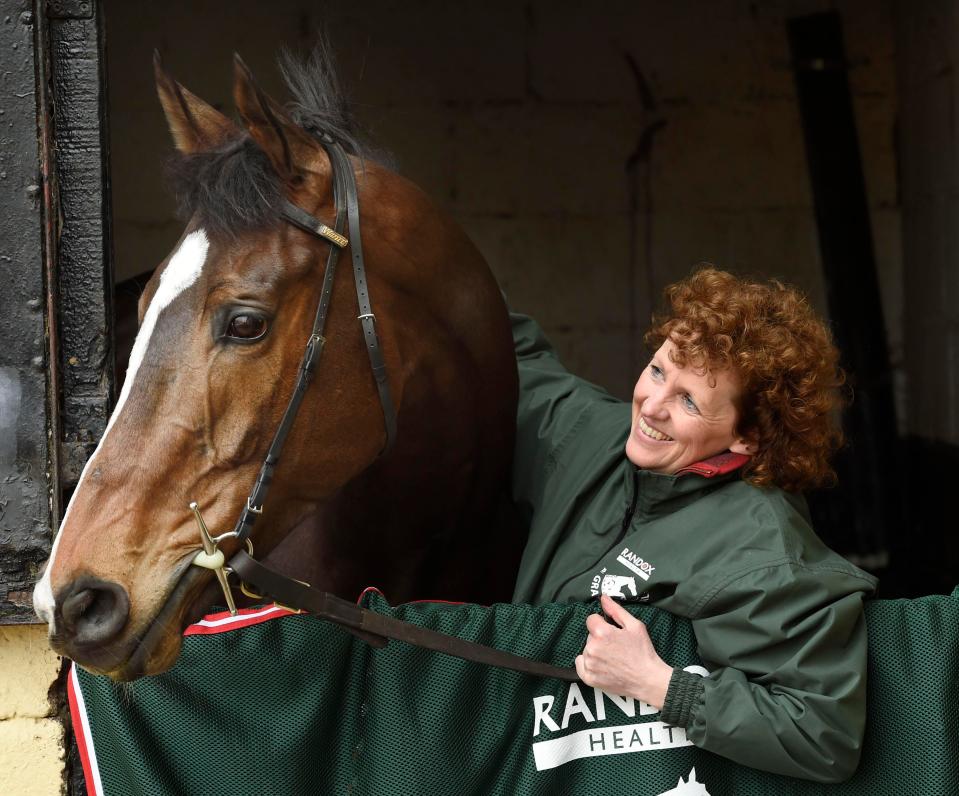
[(626, 704), (607, 741), (541, 708), (575, 704), (635, 563)]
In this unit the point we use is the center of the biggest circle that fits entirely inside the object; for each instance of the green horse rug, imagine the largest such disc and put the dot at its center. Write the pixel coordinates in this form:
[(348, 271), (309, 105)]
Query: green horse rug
[(273, 702)]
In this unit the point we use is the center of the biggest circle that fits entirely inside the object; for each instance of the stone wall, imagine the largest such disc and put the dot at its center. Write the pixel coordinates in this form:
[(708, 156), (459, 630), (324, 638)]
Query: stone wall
[(927, 55)]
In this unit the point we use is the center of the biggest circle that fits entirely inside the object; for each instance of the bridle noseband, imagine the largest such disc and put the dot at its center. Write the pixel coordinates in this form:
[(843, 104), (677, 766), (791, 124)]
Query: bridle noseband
[(369, 626)]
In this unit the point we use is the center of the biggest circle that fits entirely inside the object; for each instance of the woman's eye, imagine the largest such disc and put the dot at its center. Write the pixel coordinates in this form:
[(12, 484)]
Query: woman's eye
[(656, 372), (690, 403), (246, 327)]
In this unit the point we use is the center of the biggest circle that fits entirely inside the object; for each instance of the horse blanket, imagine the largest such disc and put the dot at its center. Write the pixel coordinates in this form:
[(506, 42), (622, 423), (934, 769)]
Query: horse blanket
[(273, 702)]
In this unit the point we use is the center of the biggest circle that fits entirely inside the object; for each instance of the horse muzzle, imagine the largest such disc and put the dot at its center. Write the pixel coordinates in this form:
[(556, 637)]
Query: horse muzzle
[(90, 616)]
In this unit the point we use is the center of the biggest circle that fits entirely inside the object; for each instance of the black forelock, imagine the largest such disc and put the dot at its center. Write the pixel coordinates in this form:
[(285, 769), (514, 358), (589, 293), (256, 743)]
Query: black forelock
[(234, 188), (229, 189)]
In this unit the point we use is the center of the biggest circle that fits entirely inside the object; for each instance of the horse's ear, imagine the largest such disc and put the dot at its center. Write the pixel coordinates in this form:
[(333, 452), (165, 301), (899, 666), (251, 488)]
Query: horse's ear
[(288, 146), (194, 124)]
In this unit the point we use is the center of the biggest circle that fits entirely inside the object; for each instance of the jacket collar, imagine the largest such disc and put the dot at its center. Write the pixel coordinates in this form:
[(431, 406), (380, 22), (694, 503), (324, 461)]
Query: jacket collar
[(656, 490), (720, 464)]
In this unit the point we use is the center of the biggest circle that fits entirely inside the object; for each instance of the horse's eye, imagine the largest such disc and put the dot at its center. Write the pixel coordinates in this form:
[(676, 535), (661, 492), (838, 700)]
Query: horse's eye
[(246, 327)]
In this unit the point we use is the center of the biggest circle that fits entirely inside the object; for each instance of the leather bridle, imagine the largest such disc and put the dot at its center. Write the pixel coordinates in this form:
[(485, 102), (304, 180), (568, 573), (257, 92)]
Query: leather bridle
[(347, 210), (376, 629)]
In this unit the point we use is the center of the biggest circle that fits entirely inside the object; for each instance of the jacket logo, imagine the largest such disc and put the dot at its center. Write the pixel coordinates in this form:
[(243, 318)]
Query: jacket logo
[(635, 563), (620, 586)]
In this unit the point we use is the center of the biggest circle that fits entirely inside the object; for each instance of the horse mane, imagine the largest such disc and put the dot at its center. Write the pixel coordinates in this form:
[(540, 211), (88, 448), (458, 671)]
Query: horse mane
[(317, 102), (233, 188)]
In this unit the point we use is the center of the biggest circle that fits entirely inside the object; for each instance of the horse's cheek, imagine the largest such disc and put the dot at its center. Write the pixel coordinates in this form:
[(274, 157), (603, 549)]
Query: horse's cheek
[(236, 433)]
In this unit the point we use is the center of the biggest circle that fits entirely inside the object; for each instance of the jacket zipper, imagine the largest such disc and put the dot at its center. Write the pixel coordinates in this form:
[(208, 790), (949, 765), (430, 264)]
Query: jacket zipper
[(631, 510), (627, 519)]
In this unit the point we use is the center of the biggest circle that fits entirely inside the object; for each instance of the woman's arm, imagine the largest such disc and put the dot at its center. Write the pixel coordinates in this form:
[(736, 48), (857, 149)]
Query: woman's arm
[(551, 407), (786, 649)]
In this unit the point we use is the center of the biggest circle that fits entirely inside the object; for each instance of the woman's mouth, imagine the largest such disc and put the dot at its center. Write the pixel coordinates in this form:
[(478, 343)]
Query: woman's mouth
[(651, 432)]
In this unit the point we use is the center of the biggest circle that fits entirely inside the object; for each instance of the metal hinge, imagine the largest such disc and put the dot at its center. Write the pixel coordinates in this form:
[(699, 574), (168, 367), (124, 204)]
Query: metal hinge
[(70, 9)]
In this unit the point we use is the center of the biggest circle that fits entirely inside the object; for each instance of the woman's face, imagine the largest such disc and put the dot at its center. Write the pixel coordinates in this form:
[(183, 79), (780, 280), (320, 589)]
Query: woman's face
[(681, 416)]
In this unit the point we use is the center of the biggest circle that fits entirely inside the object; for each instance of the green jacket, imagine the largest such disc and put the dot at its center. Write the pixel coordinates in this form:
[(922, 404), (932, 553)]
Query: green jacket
[(778, 617)]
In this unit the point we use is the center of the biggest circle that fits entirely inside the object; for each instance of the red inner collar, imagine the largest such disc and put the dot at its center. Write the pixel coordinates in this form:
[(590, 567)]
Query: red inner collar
[(720, 464)]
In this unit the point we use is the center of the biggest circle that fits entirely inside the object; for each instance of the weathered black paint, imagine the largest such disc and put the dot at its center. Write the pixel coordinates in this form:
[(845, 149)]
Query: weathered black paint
[(83, 257), (56, 368), (74, 156), (862, 513), (24, 482)]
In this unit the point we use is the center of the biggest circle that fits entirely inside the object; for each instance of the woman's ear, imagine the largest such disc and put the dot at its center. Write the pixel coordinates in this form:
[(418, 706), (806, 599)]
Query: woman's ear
[(748, 445)]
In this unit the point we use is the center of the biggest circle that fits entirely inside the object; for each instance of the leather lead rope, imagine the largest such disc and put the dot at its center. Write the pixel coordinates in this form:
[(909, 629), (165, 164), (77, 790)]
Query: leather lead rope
[(376, 628)]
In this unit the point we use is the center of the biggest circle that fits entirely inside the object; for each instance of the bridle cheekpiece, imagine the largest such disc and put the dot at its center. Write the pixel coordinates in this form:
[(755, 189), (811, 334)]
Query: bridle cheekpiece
[(347, 216)]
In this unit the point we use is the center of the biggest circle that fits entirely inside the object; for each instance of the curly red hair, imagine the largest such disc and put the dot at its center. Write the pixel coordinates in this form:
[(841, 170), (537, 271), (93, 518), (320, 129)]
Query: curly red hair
[(784, 358)]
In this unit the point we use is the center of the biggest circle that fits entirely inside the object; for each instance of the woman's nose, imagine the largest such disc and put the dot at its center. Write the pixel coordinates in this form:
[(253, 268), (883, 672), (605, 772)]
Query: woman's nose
[(655, 404)]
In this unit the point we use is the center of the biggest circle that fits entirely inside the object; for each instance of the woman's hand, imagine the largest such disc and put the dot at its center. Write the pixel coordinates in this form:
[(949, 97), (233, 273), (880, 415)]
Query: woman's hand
[(622, 659)]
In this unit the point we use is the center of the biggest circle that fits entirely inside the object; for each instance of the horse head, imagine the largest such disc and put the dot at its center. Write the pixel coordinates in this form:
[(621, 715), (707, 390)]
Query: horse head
[(222, 327)]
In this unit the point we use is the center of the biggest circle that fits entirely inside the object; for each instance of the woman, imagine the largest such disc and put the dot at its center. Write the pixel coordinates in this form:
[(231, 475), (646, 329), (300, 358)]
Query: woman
[(689, 498)]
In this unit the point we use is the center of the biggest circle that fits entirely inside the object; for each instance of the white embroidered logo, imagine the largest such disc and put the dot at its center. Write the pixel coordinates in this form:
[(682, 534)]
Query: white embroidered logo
[(618, 586), (622, 587), (635, 563)]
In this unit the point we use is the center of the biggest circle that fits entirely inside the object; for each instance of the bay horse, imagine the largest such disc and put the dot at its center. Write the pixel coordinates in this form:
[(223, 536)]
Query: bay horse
[(222, 325)]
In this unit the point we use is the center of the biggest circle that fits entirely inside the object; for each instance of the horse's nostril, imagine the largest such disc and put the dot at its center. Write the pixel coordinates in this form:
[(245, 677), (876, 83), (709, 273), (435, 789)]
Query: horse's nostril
[(94, 611)]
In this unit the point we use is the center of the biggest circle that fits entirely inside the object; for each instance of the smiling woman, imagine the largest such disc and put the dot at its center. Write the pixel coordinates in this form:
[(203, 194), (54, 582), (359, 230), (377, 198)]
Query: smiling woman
[(688, 498), (681, 415), (761, 360)]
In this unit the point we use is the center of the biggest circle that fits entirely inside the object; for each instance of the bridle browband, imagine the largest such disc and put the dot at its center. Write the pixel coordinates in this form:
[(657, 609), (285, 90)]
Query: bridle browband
[(373, 628)]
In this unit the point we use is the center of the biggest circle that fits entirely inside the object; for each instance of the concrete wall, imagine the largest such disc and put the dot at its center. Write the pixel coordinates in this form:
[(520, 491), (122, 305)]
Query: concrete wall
[(532, 123), (927, 32)]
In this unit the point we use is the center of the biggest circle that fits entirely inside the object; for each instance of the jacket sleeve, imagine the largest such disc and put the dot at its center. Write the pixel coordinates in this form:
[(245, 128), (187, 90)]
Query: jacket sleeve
[(786, 649), (553, 404)]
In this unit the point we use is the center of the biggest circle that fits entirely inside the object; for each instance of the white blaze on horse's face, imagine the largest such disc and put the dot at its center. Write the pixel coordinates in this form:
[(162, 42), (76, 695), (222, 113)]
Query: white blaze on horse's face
[(183, 269)]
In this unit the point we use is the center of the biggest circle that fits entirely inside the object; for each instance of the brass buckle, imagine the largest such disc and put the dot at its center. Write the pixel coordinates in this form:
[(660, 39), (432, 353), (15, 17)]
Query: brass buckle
[(245, 588), (290, 607)]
